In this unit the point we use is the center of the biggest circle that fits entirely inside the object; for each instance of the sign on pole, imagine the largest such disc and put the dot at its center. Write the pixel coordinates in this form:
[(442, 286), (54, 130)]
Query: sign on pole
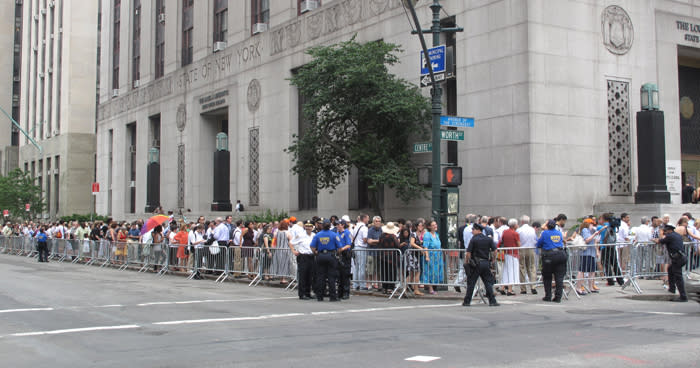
[(457, 121), (5, 213), (422, 147), (27, 207), (95, 188), (437, 61), (451, 135)]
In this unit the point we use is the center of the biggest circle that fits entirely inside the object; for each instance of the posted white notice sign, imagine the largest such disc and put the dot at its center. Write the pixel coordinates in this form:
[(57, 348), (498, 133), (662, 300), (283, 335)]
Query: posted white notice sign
[(673, 180)]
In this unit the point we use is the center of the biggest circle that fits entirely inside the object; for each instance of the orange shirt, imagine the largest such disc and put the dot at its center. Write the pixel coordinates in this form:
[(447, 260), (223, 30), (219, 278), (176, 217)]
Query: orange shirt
[(181, 238)]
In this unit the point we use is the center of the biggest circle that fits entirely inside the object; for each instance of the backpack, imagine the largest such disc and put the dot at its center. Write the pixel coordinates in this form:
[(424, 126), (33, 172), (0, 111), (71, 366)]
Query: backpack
[(58, 234), (610, 236), (240, 207)]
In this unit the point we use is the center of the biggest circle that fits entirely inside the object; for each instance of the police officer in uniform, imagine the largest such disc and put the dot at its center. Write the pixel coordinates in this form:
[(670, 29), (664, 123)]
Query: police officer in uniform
[(674, 245), (325, 245), (305, 261), (553, 261), (481, 252), (344, 259)]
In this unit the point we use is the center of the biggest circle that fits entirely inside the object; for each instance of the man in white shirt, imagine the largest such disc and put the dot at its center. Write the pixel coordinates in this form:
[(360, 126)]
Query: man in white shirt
[(528, 267), (643, 231), (623, 239), (467, 237), (301, 248), (360, 242), (195, 240)]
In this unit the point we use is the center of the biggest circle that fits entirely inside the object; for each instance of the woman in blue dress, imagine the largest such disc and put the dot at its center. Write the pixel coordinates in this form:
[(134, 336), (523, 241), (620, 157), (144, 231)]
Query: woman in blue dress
[(433, 263)]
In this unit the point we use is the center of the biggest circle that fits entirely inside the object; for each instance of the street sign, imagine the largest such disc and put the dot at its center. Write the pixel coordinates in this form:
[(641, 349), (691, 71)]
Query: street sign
[(95, 188), (27, 207), (5, 213), (457, 121), (437, 60), (422, 147), (425, 80), (451, 135)]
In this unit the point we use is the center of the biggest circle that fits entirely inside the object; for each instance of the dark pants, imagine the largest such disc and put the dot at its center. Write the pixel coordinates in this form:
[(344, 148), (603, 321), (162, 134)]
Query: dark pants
[(553, 263), (327, 269), (482, 270), (608, 257), (675, 279), (305, 268), (43, 249), (344, 274), (387, 271)]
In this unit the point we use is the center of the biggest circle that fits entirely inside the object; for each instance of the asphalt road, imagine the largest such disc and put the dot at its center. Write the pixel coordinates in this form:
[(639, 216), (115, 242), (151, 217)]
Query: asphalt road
[(64, 315)]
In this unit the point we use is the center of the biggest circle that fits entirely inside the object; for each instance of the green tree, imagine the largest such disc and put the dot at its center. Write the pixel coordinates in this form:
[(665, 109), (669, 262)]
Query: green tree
[(358, 114), (16, 190)]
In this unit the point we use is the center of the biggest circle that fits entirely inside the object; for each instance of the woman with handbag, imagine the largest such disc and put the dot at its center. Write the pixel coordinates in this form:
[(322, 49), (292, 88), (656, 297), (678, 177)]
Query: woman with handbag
[(589, 254)]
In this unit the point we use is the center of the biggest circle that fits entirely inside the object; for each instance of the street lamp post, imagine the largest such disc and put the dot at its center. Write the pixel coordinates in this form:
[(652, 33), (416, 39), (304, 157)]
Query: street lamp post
[(436, 97)]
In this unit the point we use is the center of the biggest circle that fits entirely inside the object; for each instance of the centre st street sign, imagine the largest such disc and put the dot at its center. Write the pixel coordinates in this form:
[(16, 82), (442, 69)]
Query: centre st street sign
[(451, 135), (422, 147)]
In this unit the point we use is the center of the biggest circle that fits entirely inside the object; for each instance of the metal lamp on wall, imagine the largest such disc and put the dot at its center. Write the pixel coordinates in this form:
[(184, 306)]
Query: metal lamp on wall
[(153, 180), (651, 149), (222, 174)]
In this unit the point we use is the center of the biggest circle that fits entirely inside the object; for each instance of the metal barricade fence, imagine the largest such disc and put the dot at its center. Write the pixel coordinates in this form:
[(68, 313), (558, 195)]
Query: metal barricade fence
[(244, 261), (692, 252), (611, 262), (384, 269), (178, 259), (516, 266), (276, 263), (650, 260), (211, 259)]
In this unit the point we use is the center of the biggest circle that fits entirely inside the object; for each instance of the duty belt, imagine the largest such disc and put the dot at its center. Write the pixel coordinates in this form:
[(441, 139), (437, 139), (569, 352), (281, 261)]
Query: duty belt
[(554, 250), (325, 251)]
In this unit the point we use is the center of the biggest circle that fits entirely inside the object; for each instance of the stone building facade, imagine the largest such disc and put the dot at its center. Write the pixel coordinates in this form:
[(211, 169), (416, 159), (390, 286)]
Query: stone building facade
[(552, 84), (57, 101)]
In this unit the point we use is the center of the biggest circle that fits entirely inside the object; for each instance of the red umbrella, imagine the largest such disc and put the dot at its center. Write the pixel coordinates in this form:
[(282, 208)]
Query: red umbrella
[(152, 222)]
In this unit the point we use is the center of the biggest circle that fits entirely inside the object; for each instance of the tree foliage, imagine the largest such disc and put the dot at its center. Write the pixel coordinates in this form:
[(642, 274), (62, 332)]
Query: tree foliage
[(16, 190), (358, 114)]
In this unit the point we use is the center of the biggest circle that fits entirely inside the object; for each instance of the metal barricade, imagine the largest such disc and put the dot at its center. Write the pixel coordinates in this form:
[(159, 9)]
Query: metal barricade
[(244, 261), (155, 255), (692, 252), (26, 246), (211, 259), (384, 269), (276, 263), (57, 249), (517, 266), (611, 262), (178, 260), (650, 260)]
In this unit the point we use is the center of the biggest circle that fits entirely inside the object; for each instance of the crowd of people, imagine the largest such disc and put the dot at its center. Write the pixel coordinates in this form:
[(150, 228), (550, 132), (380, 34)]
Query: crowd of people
[(326, 254)]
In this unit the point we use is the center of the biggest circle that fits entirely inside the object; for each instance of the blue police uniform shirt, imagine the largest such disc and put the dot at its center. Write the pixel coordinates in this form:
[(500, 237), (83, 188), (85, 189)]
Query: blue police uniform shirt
[(550, 239), (326, 240), (345, 238), (41, 237)]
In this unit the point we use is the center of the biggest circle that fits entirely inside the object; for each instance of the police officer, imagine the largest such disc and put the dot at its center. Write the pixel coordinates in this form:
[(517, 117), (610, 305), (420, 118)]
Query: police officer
[(481, 252), (325, 245), (553, 261), (344, 259), (305, 260), (674, 245)]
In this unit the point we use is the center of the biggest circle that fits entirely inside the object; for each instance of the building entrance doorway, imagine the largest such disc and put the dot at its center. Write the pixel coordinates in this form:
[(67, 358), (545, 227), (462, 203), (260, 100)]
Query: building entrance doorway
[(689, 107)]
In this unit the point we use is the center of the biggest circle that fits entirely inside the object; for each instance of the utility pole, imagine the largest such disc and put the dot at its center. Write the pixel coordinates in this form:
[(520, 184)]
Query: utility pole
[(436, 94)]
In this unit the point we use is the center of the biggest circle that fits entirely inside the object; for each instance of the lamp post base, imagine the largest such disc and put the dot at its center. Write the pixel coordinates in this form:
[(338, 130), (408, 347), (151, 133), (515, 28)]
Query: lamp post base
[(650, 197), (221, 207)]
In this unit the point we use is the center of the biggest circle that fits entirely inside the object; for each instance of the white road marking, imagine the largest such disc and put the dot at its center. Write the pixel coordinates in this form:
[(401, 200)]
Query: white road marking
[(74, 330), (506, 302), (422, 358), (110, 306), (25, 310), (662, 313), (213, 301), (232, 319), (385, 309)]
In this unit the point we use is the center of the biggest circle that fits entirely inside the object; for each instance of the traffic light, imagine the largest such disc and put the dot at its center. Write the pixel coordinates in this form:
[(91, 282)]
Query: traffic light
[(452, 176)]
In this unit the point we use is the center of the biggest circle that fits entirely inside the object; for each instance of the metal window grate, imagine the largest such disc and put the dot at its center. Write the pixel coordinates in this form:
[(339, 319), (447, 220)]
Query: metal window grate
[(181, 176), (254, 179), (619, 147)]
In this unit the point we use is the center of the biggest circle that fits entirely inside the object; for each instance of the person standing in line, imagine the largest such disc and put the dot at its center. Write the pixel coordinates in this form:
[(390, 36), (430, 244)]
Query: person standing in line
[(481, 253), (433, 263), (527, 263), (553, 261), (674, 245), (511, 267), (360, 242), (282, 258), (325, 245), (305, 260), (345, 259)]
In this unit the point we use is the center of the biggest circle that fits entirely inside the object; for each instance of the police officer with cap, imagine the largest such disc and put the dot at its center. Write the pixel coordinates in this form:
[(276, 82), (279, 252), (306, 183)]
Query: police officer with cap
[(481, 252), (674, 245), (553, 261), (325, 245)]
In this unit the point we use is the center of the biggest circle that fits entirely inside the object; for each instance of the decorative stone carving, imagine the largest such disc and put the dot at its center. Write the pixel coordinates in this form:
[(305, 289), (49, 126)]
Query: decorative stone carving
[(618, 33), (181, 117), (332, 19), (293, 34), (314, 25), (254, 178), (377, 6), (253, 95), (687, 107), (352, 11), (619, 146), (277, 41)]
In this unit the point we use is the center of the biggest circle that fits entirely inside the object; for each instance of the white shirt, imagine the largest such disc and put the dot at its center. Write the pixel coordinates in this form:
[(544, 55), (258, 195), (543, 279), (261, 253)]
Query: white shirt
[(298, 233), (528, 236), (303, 244), (221, 233), (623, 232), (467, 235), (643, 233), (361, 235), (496, 236)]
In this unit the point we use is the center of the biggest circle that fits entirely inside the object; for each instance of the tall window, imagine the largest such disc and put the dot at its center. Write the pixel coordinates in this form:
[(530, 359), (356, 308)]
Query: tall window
[(260, 11), (136, 44), (115, 44), (220, 20), (160, 39), (187, 26)]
